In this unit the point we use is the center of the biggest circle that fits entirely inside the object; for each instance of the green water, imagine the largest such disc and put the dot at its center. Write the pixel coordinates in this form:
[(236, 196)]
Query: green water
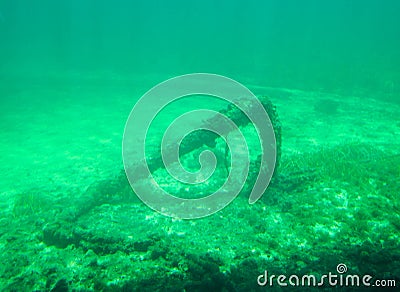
[(343, 45), (70, 73)]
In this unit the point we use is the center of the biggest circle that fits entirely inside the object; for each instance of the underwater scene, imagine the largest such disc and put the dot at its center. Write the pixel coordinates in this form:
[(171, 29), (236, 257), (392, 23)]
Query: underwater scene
[(199, 145)]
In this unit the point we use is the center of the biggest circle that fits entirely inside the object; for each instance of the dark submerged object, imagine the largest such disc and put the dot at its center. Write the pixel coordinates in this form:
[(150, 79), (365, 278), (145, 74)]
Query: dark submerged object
[(117, 190), (204, 138)]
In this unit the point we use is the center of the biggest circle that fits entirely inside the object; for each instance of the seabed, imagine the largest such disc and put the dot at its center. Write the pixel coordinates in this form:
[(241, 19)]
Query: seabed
[(70, 220)]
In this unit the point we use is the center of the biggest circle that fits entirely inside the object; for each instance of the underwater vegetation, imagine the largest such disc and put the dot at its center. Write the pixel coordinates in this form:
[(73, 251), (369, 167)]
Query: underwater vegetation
[(326, 205), (337, 204)]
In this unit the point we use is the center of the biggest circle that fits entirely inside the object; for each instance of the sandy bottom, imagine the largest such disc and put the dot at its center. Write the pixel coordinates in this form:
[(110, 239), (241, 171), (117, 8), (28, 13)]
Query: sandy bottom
[(71, 137), (61, 139)]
